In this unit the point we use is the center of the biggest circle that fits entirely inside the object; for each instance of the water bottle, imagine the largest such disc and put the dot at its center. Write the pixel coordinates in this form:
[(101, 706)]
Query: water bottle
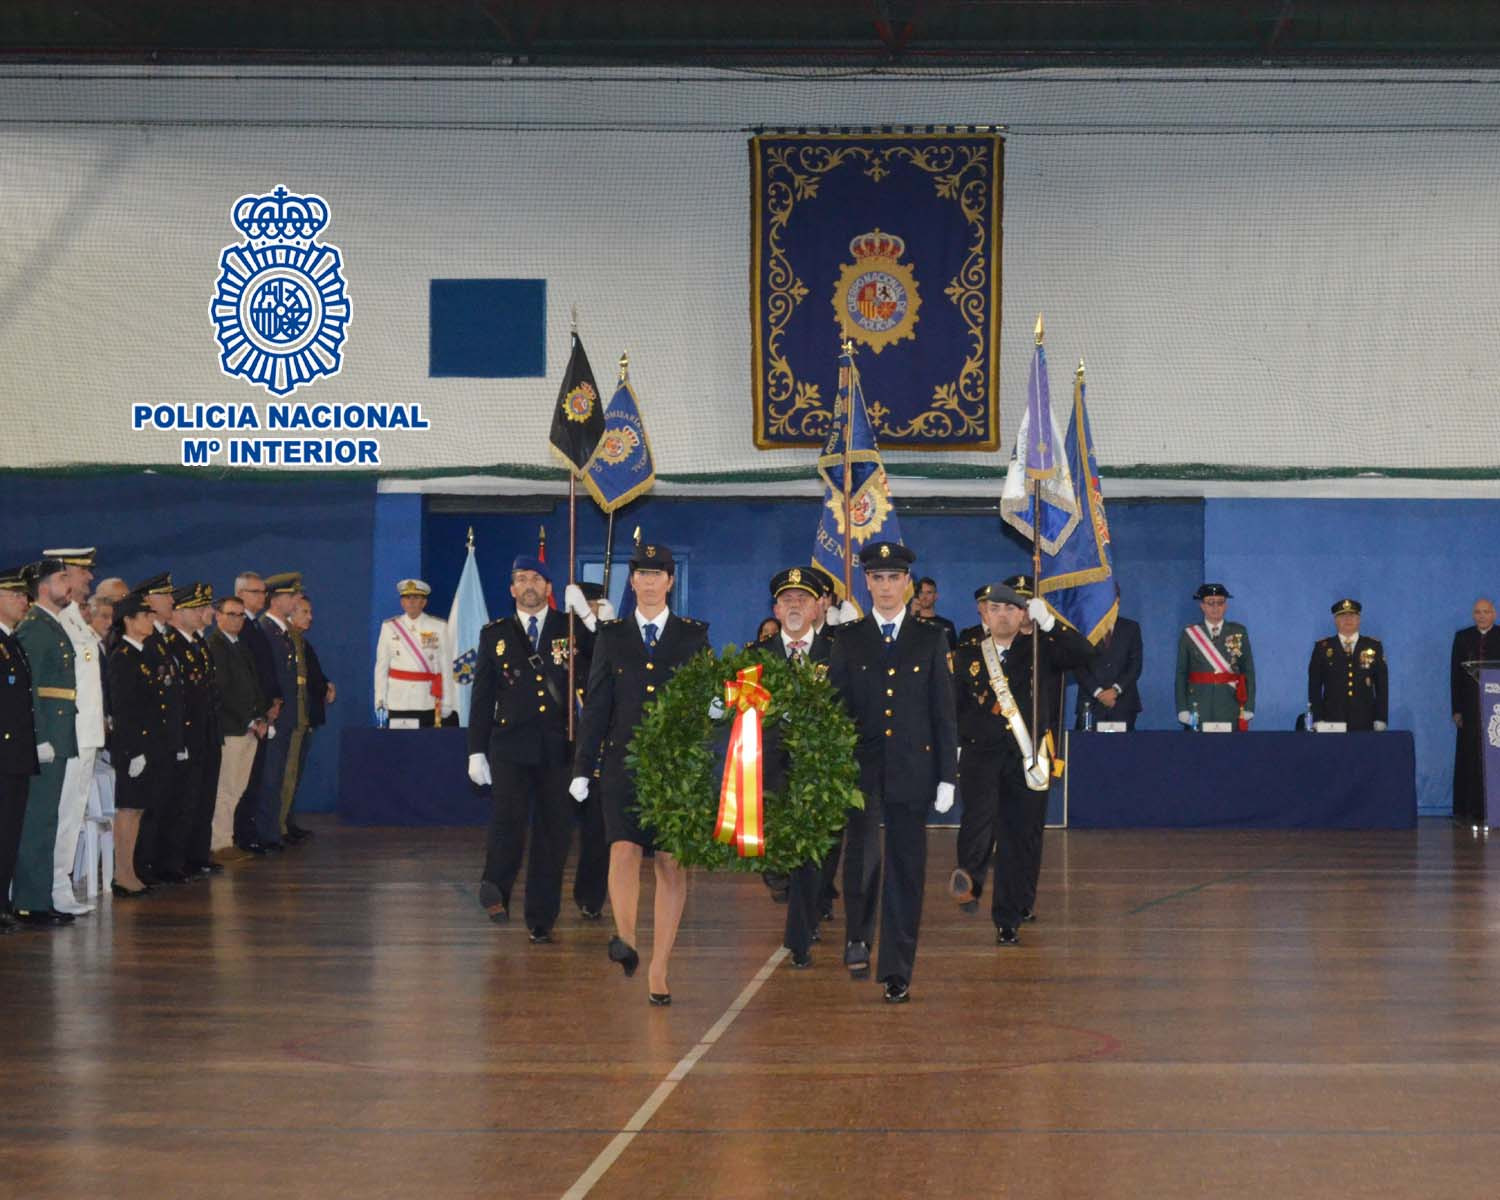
[(1088, 716), (1308, 723), (1193, 723)]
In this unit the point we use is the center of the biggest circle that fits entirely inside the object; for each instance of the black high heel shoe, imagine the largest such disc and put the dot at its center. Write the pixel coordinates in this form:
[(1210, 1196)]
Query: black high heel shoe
[(623, 952), (125, 893), (659, 999)]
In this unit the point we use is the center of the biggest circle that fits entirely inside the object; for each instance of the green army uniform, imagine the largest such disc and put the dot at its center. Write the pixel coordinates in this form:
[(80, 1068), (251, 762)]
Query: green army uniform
[(54, 706), (1216, 701)]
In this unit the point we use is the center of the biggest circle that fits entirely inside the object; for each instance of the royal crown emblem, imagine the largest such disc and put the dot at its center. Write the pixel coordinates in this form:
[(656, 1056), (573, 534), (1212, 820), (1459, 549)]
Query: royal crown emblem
[(617, 445), (875, 298), (579, 403), (280, 308)]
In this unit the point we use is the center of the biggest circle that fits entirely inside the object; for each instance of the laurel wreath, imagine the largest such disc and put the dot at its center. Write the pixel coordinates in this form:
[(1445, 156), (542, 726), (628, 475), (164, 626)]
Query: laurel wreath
[(677, 757)]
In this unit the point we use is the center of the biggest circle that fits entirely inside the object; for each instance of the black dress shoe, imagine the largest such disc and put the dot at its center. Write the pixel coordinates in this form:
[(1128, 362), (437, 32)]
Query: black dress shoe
[(147, 876), (252, 847), (969, 906), (1006, 936), (857, 959), (623, 952), (825, 912), (801, 961), (172, 877), (1027, 915), (8, 923), (43, 916), (197, 869), (815, 936), (539, 936), (492, 899), (590, 914), (297, 833), (213, 867), (276, 846), (659, 999), (897, 990), (125, 893)]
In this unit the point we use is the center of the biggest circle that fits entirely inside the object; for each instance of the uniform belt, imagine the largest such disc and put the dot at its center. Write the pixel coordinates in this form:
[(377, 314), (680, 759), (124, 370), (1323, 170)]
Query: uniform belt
[(57, 693)]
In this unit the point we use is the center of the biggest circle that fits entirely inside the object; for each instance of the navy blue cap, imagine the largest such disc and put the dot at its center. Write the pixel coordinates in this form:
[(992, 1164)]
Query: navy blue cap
[(530, 562)]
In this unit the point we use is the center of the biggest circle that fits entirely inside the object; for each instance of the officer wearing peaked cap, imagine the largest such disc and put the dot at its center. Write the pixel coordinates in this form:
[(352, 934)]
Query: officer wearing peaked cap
[(892, 672), (1346, 676), (18, 758), (201, 729), (414, 663), (634, 658), (282, 590)]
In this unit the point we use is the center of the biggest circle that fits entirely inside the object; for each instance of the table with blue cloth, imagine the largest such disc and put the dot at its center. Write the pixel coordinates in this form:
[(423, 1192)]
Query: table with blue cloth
[(1177, 780), (408, 777)]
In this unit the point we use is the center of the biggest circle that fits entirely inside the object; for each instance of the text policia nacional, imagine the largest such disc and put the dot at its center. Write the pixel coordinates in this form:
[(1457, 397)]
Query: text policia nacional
[(222, 424)]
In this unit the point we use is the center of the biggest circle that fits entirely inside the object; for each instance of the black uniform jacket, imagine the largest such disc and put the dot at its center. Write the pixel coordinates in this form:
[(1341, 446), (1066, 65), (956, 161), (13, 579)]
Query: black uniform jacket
[(1116, 663), (17, 726), (138, 713), (166, 679), (622, 681), (774, 759), (980, 724), (1352, 688), (518, 711), (195, 669), (903, 707)]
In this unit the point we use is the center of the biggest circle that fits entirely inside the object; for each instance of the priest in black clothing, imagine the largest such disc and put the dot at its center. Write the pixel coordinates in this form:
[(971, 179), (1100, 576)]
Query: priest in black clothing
[(1477, 643)]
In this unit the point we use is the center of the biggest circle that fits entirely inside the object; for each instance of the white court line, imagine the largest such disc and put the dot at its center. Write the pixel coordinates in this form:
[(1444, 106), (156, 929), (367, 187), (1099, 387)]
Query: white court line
[(665, 1088)]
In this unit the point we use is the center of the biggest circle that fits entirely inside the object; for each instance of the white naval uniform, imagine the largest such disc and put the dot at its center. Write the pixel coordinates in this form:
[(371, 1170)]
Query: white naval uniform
[(79, 773), (430, 634)]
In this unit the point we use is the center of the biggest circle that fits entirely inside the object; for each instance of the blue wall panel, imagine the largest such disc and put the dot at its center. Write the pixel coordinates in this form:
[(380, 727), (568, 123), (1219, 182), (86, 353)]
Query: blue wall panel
[(205, 529)]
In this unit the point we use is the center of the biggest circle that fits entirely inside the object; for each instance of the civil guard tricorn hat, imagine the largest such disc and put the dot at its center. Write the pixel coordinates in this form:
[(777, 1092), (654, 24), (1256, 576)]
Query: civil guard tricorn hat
[(1205, 590)]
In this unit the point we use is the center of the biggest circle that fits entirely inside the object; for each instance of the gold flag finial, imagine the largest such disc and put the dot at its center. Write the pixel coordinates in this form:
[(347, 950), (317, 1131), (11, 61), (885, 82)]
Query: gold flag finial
[(541, 534), (848, 347), (637, 535), (1040, 333), (1080, 366), (574, 326), (624, 365), (470, 543)]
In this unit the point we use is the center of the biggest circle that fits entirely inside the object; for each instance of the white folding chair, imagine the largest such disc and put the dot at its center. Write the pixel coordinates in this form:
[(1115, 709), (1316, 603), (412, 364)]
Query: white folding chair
[(95, 860)]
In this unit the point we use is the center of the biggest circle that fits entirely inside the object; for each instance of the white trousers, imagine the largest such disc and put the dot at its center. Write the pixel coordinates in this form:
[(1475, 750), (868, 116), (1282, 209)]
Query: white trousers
[(70, 806)]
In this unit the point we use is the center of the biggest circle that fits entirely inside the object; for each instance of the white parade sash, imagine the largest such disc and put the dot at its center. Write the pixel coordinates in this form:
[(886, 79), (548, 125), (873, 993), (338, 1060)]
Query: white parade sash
[(1198, 635), (1038, 767)]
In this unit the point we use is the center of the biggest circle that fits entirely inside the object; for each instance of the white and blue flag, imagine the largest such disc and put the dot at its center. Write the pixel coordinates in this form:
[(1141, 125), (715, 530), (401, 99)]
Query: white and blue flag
[(468, 616)]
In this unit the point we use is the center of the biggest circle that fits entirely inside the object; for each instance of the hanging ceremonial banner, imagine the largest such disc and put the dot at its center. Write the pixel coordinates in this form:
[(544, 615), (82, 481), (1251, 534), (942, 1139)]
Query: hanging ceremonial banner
[(893, 241)]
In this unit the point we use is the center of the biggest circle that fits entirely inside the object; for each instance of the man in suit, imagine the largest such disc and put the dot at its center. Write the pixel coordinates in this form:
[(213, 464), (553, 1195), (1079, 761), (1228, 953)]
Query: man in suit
[(1215, 668), (88, 660), (1346, 675), (632, 658), (54, 690), (241, 711), (282, 591), (250, 590), (1107, 688), (894, 676), (518, 745), (794, 597), (1479, 642), (1004, 782), (18, 741)]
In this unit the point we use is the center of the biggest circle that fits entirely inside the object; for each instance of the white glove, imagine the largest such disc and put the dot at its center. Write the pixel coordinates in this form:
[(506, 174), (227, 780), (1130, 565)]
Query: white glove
[(137, 765), (1185, 717), (45, 753), (270, 732), (944, 799), (1249, 716), (579, 788), (574, 602), (479, 770), (1038, 611), (715, 709), (606, 611), (842, 613), (380, 717), (182, 755), (1379, 726)]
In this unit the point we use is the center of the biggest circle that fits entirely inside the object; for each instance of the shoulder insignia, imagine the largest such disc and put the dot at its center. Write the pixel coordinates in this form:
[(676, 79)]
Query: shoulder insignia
[(610, 624), (694, 622), (496, 621)]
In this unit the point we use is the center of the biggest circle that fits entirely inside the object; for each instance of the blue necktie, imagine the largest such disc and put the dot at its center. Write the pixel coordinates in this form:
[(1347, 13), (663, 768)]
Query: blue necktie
[(889, 630), (648, 631), (531, 631)]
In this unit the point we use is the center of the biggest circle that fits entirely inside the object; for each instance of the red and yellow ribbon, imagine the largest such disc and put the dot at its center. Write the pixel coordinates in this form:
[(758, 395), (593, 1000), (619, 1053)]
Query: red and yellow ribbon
[(741, 817)]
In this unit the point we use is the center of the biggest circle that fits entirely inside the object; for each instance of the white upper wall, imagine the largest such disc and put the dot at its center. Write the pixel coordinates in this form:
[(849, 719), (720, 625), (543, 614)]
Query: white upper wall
[(1264, 270)]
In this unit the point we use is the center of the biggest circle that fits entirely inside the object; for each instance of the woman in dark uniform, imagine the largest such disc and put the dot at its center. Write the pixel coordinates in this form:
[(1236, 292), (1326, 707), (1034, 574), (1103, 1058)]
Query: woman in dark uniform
[(137, 741)]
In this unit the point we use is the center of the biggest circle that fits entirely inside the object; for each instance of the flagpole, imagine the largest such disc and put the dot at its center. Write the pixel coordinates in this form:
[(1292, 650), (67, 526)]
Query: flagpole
[(848, 458), (1036, 587), (572, 557)]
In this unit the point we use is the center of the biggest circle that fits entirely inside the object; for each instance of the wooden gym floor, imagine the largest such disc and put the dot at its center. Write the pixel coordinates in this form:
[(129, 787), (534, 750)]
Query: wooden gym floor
[(1196, 1014)]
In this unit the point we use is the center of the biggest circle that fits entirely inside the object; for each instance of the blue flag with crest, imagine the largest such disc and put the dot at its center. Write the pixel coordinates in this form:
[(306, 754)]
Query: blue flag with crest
[(872, 512), (467, 617), (622, 467)]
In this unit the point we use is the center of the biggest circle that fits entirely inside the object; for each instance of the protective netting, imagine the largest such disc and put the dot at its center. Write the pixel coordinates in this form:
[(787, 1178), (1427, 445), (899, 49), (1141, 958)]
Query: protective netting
[(1265, 271)]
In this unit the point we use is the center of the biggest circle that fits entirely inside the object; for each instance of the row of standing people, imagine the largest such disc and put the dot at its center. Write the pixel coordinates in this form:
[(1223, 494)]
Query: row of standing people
[(189, 720)]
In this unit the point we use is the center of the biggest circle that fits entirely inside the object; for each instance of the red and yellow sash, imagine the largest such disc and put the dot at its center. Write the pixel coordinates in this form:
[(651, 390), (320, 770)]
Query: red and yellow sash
[(741, 817)]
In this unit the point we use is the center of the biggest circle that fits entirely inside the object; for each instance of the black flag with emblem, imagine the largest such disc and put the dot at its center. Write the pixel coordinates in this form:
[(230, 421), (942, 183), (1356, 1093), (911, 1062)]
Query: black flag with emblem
[(578, 419)]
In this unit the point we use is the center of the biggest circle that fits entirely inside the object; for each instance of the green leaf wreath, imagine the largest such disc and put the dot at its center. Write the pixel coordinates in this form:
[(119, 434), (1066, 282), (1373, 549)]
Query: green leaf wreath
[(678, 772)]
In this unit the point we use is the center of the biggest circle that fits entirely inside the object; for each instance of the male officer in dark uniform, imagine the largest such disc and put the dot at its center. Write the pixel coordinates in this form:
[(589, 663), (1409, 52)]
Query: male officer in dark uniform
[(794, 598), (1004, 814), (1346, 676), (518, 744), (18, 760), (160, 849), (1478, 642), (632, 658), (49, 652), (893, 673), (201, 731), (282, 590)]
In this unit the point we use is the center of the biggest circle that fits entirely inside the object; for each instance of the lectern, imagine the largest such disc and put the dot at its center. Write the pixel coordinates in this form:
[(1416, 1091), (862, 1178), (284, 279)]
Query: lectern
[(1486, 673)]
